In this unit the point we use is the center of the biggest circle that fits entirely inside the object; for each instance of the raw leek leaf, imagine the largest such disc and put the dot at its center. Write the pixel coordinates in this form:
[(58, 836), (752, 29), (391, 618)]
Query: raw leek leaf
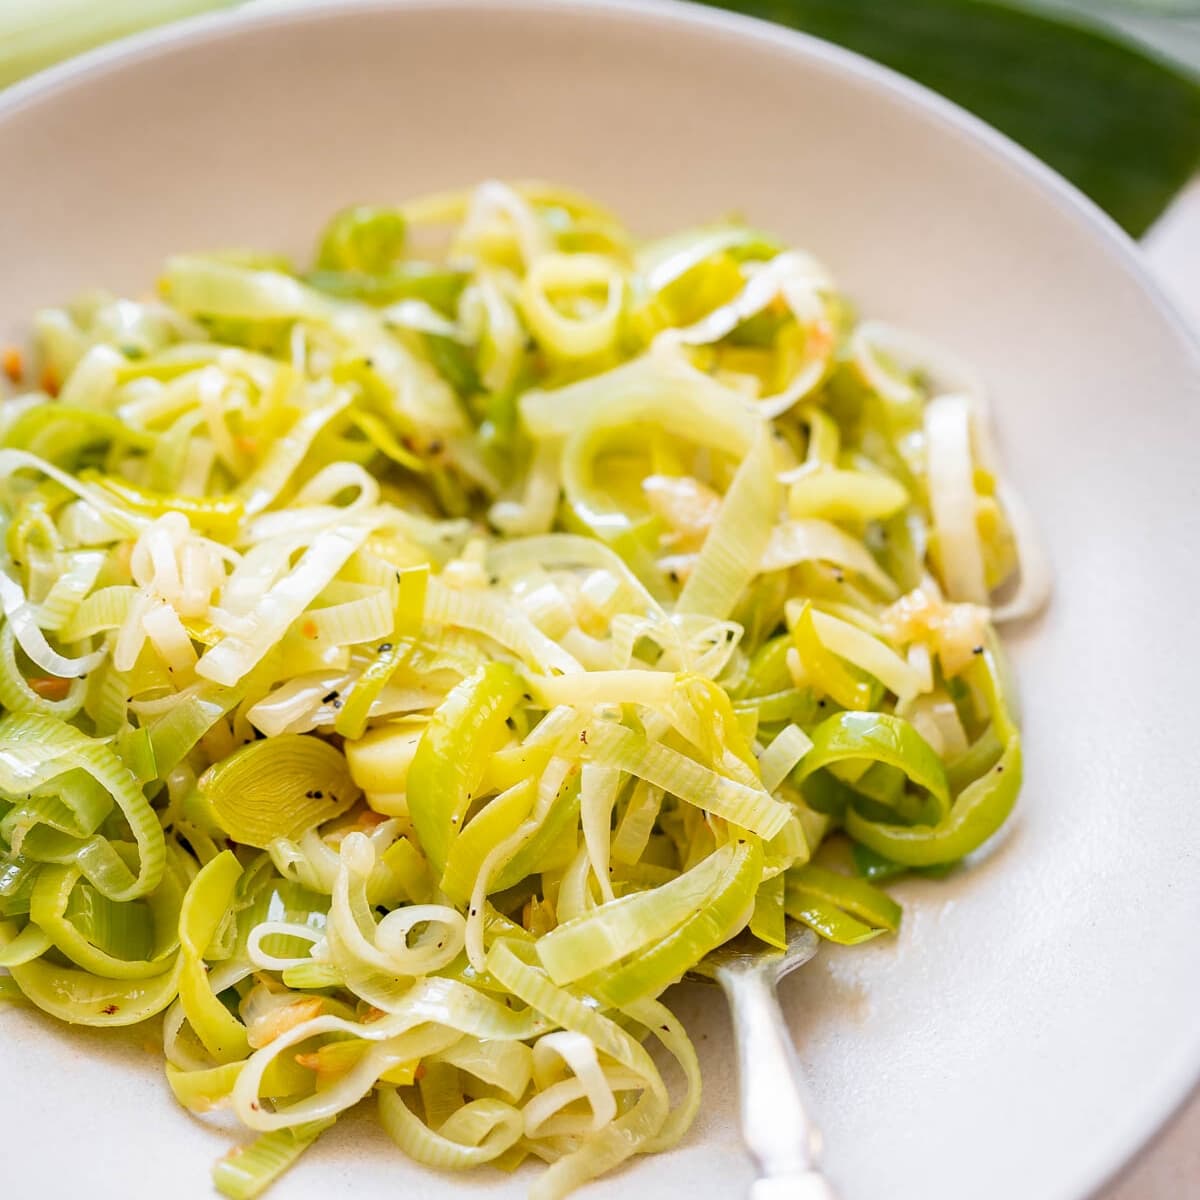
[(1120, 124), (34, 36)]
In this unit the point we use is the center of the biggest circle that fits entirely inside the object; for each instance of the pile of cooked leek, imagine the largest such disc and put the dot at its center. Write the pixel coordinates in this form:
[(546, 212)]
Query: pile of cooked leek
[(413, 665)]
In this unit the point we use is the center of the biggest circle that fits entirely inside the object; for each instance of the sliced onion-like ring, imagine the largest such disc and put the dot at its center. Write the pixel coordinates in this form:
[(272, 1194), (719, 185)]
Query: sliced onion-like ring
[(573, 337)]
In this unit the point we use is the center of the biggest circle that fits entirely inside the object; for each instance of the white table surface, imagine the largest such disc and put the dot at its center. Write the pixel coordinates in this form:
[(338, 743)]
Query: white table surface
[(1170, 1168)]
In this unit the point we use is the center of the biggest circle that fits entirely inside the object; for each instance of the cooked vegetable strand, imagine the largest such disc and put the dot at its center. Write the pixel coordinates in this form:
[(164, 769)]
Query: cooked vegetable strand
[(413, 666)]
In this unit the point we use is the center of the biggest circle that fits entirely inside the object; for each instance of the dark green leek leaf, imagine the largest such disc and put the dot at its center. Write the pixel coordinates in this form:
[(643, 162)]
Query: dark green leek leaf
[(1120, 124)]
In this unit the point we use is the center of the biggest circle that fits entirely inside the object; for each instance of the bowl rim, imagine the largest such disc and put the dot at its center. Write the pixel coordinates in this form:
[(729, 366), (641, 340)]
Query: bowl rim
[(219, 25), (1105, 234)]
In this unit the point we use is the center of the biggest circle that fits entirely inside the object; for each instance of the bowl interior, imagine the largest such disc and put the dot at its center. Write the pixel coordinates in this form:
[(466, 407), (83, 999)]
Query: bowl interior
[(1036, 1018)]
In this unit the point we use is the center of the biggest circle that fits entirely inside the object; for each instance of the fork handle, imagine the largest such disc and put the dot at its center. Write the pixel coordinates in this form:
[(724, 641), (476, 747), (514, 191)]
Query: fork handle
[(776, 1125)]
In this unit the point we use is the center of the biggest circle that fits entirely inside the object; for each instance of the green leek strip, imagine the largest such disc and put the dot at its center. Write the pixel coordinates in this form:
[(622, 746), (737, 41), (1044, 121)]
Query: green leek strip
[(408, 617), (734, 549), (477, 1132), (810, 540), (17, 695), (10, 992), (105, 609), (768, 921), (247, 1171), (280, 787), (121, 959), (364, 237), (204, 1089), (12, 461), (437, 286), (385, 441), (539, 852), (978, 810), (204, 909), (33, 431), (488, 614), (235, 655), (637, 823), (81, 998), (452, 756), (749, 807), (69, 589), (651, 688), (312, 976), (867, 652), (18, 875), (486, 830), (878, 738), (407, 865), (426, 1017), (48, 744), (824, 670), (515, 764), (855, 896), (627, 926), (137, 753), (767, 672), (564, 336), (979, 757), (779, 759), (507, 1066), (647, 974), (367, 619), (21, 947), (215, 288), (668, 264), (874, 868), (216, 516), (174, 735), (827, 919), (258, 490), (598, 788), (657, 1020), (838, 495), (509, 963)]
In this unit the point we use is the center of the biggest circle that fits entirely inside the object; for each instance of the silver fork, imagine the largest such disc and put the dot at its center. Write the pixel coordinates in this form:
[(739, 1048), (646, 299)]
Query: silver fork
[(777, 1126)]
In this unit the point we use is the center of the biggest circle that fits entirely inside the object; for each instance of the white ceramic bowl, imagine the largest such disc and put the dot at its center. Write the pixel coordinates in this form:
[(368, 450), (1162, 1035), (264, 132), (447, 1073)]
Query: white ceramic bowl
[(1037, 1019)]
